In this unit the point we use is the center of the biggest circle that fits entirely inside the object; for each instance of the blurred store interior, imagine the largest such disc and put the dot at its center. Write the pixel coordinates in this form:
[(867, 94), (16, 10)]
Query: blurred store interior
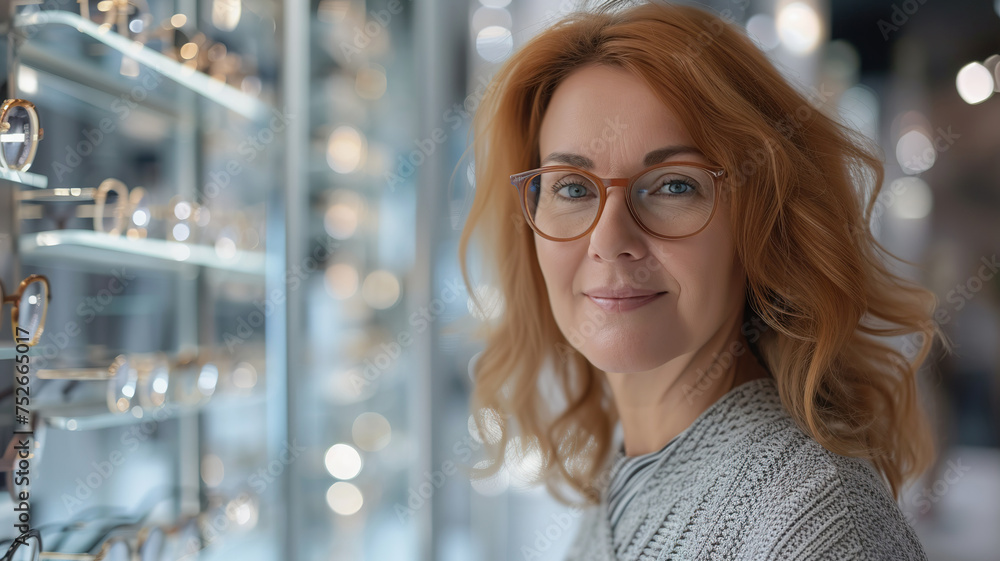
[(247, 213)]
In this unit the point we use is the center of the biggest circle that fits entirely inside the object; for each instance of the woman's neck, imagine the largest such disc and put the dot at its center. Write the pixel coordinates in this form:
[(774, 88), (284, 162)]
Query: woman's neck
[(656, 406)]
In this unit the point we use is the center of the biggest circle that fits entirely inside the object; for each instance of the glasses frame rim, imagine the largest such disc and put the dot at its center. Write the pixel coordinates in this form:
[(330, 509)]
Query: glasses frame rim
[(14, 299), (128, 201), (37, 133), (21, 540), (519, 180)]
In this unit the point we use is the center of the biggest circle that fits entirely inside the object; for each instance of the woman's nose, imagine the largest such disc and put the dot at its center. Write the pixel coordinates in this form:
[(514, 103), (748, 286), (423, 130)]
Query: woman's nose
[(616, 231)]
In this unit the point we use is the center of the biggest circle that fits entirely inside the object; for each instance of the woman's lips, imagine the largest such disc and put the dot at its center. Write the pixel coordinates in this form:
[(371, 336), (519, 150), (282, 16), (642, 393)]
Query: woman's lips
[(623, 304)]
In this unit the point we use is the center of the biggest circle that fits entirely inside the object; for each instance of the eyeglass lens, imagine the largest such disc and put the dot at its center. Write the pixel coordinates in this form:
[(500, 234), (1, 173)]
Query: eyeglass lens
[(31, 308), (122, 388), (155, 384), (119, 551), (17, 141), (670, 201), (153, 548), (113, 217)]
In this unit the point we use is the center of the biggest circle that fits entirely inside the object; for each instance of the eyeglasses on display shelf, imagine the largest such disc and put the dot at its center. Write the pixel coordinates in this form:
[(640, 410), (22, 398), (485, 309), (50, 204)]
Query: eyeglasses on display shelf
[(194, 49), (130, 18), (671, 200), (130, 538), (19, 134), (231, 230), (29, 304), (124, 205), (149, 380), (116, 210)]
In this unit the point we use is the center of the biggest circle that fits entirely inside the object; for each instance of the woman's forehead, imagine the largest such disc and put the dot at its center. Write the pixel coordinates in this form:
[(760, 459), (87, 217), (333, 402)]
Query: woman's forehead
[(603, 114)]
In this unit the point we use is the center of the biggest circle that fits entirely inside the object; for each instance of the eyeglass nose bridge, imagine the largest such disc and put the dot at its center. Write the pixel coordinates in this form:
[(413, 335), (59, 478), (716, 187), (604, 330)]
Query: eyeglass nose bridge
[(615, 181)]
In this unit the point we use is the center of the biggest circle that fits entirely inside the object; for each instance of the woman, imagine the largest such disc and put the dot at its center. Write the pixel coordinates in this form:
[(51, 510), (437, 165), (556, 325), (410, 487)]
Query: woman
[(674, 203)]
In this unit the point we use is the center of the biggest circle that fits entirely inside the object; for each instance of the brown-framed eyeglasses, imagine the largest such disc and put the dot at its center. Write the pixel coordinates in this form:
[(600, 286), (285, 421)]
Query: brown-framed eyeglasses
[(30, 304), (670, 200)]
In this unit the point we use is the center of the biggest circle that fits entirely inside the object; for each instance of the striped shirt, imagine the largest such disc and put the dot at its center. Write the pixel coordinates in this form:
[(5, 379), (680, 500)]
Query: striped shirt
[(629, 475)]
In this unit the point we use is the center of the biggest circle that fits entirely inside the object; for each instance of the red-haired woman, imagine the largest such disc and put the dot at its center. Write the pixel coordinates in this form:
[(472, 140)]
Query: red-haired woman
[(681, 241)]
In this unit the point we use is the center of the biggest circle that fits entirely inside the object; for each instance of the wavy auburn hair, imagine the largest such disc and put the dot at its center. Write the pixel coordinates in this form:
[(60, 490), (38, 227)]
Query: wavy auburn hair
[(802, 188)]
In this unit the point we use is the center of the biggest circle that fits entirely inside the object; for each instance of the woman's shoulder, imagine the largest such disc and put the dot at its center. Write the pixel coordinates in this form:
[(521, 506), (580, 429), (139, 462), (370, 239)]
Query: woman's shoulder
[(816, 504)]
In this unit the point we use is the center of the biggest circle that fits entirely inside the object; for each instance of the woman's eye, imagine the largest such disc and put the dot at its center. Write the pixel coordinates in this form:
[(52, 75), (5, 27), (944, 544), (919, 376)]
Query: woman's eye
[(571, 190), (670, 187), (678, 188)]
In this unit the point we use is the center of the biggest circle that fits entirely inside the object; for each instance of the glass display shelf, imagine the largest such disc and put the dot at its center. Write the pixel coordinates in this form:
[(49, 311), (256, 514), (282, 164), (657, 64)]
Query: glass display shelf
[(101, 247), (94, 416), (25, 178), (199, 82), (58, 81)]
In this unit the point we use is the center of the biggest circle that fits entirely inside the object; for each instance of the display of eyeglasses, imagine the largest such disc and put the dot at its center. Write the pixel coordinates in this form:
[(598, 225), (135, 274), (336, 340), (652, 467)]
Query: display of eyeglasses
[(228, 243), (136, 361)]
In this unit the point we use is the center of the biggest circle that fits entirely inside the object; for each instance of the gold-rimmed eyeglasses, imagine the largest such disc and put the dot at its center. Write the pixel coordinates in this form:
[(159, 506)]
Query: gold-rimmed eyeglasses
[(116, 209), (19, 134), (150, 380), (670, 200), (130, 18), (30, 303)]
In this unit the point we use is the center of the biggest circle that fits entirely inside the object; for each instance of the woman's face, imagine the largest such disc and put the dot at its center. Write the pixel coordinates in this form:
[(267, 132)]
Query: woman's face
[(611, 117)]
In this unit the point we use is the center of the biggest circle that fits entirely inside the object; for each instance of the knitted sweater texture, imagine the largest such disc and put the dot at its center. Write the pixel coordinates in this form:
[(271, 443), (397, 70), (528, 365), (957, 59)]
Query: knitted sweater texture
[(744, 482)]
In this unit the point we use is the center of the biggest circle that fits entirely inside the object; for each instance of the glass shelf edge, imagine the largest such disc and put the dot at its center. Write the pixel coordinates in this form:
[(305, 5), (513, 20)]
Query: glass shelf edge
[(96, 416), (168, 252), (25, 178), (199, 82)]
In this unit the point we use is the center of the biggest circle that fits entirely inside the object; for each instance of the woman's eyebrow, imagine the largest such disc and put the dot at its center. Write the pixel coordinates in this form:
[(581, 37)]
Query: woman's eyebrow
[(569, 159), (653, 157), (661, 154)]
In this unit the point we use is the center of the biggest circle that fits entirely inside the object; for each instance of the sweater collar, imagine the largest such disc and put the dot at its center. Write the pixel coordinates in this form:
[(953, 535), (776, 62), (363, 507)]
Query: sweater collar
[(759, 395)]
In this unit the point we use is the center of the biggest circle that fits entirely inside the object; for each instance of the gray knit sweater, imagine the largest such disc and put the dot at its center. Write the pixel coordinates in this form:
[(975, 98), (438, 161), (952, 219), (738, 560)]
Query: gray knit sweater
[(743, 482)]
